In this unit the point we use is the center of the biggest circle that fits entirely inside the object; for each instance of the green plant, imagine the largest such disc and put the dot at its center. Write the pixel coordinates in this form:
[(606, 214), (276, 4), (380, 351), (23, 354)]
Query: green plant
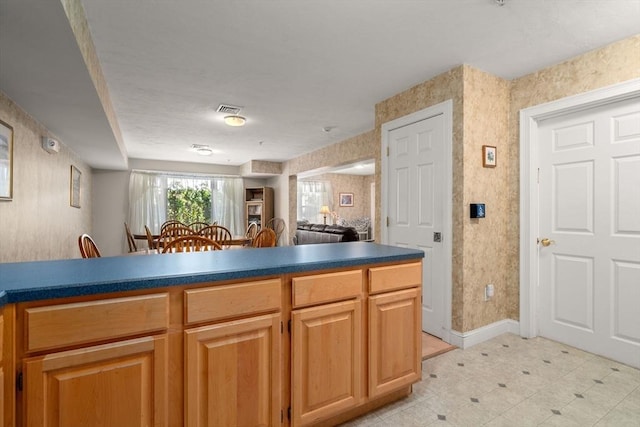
[(189, 204)]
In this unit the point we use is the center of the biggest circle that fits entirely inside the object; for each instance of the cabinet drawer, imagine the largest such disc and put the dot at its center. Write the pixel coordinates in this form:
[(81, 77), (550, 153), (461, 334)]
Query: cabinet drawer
[(322, 288), (223, 302), (64, 325), (383, 279)]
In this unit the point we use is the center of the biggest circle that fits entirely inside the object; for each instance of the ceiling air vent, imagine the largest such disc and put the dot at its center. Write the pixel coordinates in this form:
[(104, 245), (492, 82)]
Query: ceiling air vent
[(228, 109)]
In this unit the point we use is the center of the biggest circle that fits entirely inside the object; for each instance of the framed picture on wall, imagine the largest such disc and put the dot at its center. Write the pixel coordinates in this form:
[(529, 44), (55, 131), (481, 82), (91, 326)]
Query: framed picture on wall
[(489, 156), (346, 199), (74, 187), (6, 161)]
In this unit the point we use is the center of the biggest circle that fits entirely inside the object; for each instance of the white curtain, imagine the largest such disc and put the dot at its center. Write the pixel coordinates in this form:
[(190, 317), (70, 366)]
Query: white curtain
[(312, 195), (227, 203), (147, 201)]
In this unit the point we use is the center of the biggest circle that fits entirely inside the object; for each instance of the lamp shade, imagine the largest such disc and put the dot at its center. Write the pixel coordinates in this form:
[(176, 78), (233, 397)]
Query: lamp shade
[(325, 210)]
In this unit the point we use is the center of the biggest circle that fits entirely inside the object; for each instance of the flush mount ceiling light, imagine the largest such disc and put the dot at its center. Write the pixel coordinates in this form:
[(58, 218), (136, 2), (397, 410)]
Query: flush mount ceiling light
[(235, 120), (203, 150)]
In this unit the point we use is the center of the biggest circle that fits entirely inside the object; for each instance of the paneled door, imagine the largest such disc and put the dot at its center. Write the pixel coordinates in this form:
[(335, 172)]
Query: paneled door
[(416, 200), (326, 361), (233, 373), (117, 384), (589, 230)]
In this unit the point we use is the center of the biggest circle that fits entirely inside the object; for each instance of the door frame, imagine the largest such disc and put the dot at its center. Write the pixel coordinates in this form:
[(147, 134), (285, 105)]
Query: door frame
[(529, 164), (446, 109)]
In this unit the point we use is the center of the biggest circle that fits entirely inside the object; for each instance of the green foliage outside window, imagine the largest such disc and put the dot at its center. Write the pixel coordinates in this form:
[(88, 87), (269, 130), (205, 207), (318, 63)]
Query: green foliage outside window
[(189, 204)]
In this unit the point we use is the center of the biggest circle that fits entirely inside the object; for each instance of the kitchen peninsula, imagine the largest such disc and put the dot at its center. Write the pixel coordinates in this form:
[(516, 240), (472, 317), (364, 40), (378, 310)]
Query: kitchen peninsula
[(293, 336)]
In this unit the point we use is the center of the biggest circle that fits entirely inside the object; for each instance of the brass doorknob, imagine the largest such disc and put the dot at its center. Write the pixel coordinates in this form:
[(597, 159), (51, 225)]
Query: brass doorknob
[(547, 242)]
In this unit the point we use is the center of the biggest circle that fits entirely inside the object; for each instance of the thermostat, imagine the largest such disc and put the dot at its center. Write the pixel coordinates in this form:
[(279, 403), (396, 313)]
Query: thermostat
[(477, 210)]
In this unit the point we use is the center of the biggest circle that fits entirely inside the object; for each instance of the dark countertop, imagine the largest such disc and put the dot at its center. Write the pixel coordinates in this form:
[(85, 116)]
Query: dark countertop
[(31, 281)]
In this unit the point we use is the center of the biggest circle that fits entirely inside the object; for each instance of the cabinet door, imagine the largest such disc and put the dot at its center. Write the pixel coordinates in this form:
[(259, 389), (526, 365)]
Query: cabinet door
[(118, 384), (233, 373), (326, 347), (395, 357)]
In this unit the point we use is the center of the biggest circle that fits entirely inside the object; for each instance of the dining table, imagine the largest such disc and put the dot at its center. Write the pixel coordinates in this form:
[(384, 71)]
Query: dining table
[(235, 241)]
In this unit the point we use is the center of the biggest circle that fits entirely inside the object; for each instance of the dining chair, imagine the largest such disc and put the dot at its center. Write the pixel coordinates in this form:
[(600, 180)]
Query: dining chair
[(278, 225), (219, 233), (130, 240), (151, 242), (252, 230), (176, 230), (193, 243), (171, 233), (198, 225), (88, 248), (171, 223), (264, 239)]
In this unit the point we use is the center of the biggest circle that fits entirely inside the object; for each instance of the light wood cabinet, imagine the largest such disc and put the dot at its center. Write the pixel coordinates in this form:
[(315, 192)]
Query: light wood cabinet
[(116, 384), (216, 354), (395, 327), (327, 365), (233, 367), (233, 373), (394, 341)]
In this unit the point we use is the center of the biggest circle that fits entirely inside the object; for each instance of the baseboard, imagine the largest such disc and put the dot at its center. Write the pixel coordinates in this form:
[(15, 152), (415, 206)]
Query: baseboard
[(485, 333)]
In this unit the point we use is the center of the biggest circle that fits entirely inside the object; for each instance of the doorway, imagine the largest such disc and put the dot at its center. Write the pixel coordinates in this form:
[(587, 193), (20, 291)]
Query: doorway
[(580, 233), (416, 195)]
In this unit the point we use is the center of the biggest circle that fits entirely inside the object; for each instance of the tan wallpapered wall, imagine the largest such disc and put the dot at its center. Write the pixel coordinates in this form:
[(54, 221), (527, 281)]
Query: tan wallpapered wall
[(356, 184), (485, 112), (39, 223)]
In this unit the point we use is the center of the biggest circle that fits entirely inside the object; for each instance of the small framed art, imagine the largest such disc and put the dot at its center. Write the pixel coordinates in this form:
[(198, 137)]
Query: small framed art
[(6, 161), (74, 187), (489, 156), (346, 199)]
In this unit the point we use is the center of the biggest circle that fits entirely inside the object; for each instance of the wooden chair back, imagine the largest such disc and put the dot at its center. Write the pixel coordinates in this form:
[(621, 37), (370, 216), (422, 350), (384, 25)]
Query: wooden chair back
[(278, 225), (88, 248), (252, 231), (218, 233), (264, 239), (151, 242), (198, 225), (176, 230), (130, 240), (171, 233), (193, 243), (171, 223)]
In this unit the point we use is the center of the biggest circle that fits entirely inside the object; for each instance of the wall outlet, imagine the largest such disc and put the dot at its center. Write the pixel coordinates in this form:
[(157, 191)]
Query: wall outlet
[(488, 292)]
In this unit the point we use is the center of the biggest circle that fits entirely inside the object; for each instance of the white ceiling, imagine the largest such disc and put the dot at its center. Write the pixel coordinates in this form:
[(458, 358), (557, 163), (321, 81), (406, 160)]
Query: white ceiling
[(294, 66)]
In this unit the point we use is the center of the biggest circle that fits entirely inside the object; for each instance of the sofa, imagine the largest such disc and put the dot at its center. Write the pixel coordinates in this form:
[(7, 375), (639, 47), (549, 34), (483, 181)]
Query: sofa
[(307, 234)]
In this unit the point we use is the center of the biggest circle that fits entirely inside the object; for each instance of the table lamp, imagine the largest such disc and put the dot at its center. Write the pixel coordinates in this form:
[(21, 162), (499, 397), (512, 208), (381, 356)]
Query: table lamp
[(324, 211)]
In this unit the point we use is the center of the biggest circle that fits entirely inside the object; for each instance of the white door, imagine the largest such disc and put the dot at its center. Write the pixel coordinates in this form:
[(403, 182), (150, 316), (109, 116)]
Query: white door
[(589, 194), (415, 206)]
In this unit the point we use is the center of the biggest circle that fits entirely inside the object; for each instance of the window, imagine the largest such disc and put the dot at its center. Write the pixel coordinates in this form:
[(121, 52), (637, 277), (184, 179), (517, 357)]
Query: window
[(155, 197), (189, 200), (312, 195)]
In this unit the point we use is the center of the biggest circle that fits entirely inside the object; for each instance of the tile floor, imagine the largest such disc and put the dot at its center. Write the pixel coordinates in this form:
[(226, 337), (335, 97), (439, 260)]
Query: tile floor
[(516, 382)]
